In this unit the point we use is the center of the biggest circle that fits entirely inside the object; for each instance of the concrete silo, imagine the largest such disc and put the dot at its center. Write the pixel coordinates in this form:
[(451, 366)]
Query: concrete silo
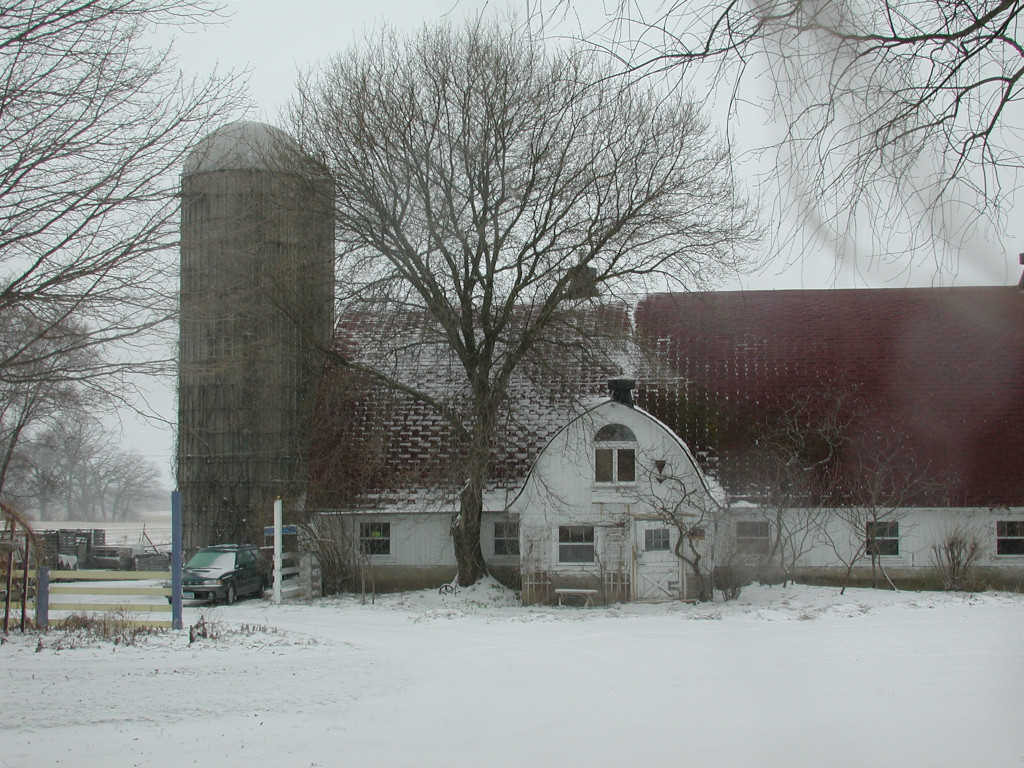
[(257, 278)]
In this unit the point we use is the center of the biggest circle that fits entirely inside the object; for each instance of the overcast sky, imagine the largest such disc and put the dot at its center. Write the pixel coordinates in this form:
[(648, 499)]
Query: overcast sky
[(274, 40)]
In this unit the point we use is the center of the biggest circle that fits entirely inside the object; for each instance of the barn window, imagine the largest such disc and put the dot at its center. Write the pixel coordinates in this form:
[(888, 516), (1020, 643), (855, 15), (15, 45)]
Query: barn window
[(615, 454), (506, 538), (753, 537), (1010, 537), (882, 538), (656, 539), (375, 538), (575, 543)]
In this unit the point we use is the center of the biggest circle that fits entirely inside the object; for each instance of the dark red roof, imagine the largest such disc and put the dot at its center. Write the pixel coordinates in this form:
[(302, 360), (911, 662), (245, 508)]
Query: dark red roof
[(941, 367), (374, 446)]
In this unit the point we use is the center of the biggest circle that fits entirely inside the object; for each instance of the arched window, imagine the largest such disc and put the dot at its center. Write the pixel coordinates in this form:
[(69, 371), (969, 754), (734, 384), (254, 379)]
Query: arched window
[(614, 433), (614, 454)]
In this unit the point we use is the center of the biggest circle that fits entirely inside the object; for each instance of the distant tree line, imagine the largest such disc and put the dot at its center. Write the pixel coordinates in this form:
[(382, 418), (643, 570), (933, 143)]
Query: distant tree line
[(68, 466), (94, 125)]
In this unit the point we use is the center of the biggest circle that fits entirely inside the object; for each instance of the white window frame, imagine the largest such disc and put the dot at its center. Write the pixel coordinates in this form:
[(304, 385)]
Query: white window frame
[(664, 537), (1016, 537), (366, 539), (512, 540), (617, 449), (749, 543), (583, 530), (890, 538)]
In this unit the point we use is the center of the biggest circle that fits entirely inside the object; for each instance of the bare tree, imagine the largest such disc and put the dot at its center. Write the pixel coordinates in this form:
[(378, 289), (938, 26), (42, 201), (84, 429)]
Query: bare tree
[(72, 464), (685, 503), (879, 482), (496, 185), (46, 383), (833, 472), (60, 458), (897, 111), (21, 410), (801, 450), (93, 127), (126, 481)]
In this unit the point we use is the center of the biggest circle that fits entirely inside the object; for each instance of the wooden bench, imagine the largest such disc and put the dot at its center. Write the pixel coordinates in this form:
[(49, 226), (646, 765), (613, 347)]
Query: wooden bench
[(586, 594)]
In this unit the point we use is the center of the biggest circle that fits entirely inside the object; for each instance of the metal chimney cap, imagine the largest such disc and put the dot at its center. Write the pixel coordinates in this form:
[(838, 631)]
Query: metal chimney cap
[(622, 390)]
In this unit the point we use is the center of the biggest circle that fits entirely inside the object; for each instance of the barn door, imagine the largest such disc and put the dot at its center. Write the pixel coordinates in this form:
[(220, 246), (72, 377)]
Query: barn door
[(656, 567)]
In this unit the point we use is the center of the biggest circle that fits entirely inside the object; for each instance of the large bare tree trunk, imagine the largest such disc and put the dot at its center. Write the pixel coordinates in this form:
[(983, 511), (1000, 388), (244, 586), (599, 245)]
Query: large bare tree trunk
[(466, 534), (469, 555)]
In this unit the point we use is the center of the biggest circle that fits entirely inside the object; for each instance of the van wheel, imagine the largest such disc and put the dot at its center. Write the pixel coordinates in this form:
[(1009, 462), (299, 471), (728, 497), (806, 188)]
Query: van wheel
[(232, 595)]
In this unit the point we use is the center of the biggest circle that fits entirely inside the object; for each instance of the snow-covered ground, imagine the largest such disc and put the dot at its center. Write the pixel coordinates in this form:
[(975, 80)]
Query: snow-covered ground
[(781, 677)]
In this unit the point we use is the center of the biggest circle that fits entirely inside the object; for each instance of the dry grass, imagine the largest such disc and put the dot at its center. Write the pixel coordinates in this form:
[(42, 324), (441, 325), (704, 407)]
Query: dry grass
[(80, 629)]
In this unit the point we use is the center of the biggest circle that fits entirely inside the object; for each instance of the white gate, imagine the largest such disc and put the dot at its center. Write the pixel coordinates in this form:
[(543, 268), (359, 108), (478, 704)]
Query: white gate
[(657, 572)]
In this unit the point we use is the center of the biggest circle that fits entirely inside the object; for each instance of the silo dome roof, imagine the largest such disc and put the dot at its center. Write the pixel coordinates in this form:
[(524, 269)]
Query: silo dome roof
[(245, 145)]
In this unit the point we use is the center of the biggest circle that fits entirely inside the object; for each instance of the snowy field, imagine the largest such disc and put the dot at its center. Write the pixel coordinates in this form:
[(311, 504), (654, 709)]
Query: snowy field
[(782, 677)]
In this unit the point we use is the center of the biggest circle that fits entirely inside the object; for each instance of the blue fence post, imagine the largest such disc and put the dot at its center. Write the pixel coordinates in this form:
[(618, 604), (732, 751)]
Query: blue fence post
[(176, 545), (43, 597)]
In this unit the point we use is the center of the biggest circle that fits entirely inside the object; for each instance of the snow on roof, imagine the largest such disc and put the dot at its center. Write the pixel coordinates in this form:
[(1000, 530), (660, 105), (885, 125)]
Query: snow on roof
[(943, 368), (372, 440)]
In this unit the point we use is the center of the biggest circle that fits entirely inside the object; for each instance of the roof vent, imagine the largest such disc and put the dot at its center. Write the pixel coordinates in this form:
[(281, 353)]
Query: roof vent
[(621, 390), (582, 283)]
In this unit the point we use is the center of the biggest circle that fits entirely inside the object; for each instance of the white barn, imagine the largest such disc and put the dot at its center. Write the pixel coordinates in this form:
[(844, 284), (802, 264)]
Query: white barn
[(598, 517), (602, 511), (595, 499)]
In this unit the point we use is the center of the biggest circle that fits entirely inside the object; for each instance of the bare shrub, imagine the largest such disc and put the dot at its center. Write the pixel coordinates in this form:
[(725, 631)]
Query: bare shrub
[(120, 628), (955, 557), (205, 629), (731, 579), (330, 542), (245, 629)]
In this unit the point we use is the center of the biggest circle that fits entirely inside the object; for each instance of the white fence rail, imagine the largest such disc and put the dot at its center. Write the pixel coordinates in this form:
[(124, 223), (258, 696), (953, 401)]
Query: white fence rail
[(300, 576)]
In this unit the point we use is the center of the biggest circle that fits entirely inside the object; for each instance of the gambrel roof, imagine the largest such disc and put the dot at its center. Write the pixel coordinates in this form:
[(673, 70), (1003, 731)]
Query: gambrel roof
[(374, 447), (929, 382)]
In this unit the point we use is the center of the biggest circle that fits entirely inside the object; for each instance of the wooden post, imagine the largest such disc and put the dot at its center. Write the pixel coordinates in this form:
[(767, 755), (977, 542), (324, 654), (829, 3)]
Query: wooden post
[(24, 585), (176, 565), (278, 515), (682, 567), (10, 586), (43, 598)]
